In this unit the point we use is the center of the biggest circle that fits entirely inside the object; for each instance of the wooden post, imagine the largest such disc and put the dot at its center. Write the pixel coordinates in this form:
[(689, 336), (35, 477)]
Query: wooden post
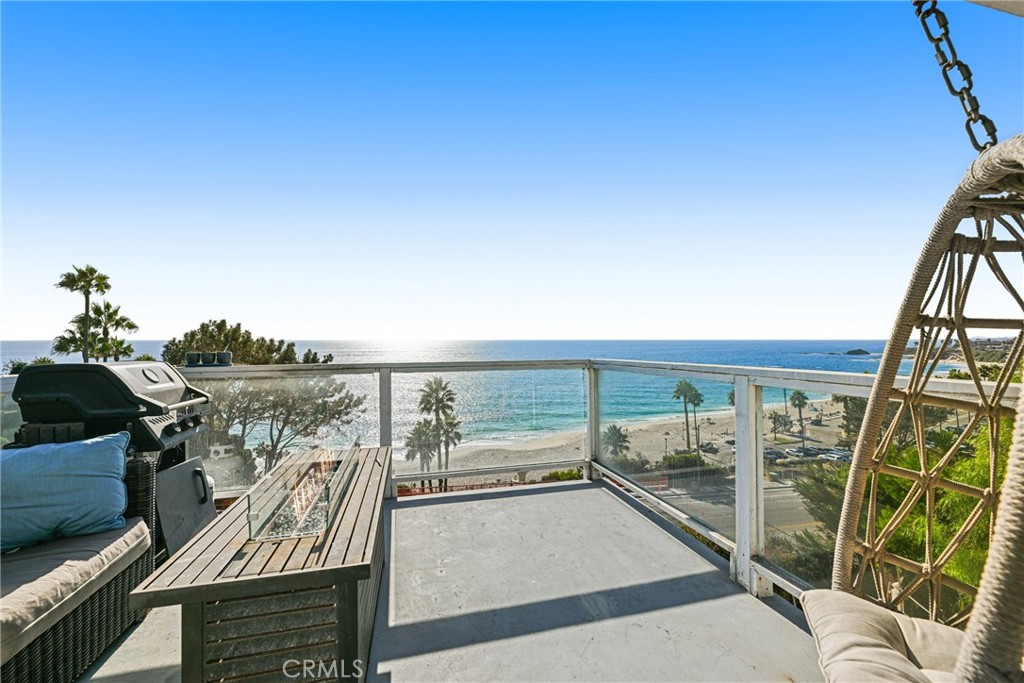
[(749, 487)]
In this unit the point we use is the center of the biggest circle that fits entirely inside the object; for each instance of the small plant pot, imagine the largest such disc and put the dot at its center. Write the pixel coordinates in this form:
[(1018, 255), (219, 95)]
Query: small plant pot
[(224, 358), (209, 357), (193, 358)]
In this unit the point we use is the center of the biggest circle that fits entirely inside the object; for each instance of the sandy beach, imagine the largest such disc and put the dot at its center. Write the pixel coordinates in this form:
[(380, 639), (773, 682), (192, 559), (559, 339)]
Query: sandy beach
[(651, 439)]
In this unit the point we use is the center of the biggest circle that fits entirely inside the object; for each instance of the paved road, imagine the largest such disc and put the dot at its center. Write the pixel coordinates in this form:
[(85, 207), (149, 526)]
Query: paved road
[(716, 507)]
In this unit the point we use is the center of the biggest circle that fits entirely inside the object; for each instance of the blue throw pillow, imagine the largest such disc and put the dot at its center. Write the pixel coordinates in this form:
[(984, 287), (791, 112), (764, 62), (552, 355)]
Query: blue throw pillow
[(62, 489)]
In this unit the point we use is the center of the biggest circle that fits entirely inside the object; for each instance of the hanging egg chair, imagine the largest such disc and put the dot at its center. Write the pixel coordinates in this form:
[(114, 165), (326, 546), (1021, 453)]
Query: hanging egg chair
[(920, 517)]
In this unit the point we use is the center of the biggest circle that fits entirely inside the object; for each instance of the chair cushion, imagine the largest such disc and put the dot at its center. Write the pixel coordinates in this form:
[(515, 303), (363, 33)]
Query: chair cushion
[(860, 641), (42, 584), (62, 489)]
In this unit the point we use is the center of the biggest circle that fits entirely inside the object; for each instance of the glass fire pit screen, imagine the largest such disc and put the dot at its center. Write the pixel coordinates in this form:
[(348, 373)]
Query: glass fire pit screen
[(301, 496)]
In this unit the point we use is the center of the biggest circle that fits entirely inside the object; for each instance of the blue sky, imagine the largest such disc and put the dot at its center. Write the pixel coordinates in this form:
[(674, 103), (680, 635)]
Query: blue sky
[(484, 170)]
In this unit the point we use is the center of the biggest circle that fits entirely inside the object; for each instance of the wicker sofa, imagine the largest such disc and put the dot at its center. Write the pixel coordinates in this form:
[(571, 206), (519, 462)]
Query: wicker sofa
[(66, 601)]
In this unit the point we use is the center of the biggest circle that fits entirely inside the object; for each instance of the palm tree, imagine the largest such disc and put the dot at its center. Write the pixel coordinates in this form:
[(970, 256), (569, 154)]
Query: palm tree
[(107, 318), (76, 339), (119, 348), (615, 440), (696, 398), (682, 393), (774, 417), (420, 443), (798, 400), (450, 436), (85, 281), (437, 399)]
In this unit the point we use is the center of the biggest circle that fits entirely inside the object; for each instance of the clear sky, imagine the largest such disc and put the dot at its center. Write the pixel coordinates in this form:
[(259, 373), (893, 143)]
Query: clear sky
[(484, 171)]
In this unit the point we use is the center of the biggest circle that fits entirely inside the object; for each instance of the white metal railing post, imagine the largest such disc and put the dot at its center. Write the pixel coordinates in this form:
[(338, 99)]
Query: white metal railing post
[(593, 423), (384, 415), (749, 486)]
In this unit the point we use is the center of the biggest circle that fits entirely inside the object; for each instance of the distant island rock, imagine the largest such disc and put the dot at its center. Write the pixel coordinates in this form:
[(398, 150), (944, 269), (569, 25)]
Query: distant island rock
[(857, 352)]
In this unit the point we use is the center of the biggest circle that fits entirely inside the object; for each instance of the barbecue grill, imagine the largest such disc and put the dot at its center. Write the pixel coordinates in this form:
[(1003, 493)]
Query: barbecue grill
[(149, 400)]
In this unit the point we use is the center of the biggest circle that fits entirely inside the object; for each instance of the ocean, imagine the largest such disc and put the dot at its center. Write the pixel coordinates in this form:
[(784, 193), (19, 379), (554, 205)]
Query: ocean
[(505, 407)]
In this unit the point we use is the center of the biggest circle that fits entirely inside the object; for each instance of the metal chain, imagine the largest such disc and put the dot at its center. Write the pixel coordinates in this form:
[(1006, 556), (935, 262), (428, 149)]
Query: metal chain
[(945, 53)]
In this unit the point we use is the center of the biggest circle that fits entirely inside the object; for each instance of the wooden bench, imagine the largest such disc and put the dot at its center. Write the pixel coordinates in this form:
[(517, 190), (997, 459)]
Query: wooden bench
[(256, 609)]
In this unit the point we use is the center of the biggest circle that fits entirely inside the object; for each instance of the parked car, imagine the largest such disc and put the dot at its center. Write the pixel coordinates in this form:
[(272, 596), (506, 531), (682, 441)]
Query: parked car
[(801, 452), (773, 454), (835, 457)]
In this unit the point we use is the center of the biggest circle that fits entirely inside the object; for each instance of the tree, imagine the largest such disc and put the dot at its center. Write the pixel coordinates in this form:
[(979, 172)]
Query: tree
[(989, 371), (798, 400), (780, 423), (219, 335), (682, 393), (16, 365), (420, 444), (732, 397), (437, 399), (76, 339), (279, 413), (85, 281), (696, 398), (302, 407), (615, 440), (144, 356), (450, 436), (854, 408), (107, 318)]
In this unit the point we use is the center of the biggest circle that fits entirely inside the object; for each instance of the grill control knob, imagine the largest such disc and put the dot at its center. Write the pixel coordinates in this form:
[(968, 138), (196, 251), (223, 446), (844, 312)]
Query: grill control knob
[(172, 429), (184, 424)]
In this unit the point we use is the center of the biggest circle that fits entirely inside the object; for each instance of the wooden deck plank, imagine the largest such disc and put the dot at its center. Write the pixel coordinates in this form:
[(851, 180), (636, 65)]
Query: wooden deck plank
[(363, 553), (346, 516), (277, 561), (297, 559), (258, 560), (360, 542), (198, 552), (191, 560), (240, 549)]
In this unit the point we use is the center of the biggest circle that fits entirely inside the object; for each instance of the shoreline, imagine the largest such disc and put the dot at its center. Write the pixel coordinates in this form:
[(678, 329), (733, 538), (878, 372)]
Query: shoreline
[(651, 439)]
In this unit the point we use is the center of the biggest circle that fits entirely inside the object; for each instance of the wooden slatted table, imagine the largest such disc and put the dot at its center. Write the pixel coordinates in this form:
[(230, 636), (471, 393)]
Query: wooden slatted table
[(251, 608)]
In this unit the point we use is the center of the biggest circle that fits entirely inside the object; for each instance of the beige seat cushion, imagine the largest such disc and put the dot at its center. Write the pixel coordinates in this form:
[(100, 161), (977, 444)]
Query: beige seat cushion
[(861, 641), (41, 584)]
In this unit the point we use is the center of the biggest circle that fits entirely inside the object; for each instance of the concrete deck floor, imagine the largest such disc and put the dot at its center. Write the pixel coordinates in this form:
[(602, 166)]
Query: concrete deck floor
[(547, 583)]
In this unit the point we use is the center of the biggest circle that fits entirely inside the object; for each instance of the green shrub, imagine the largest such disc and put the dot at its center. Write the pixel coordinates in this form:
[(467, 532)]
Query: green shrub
[(563, 475)]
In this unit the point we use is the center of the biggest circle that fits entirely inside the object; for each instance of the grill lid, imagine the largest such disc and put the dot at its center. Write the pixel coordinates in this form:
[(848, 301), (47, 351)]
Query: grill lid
[(81, 392)]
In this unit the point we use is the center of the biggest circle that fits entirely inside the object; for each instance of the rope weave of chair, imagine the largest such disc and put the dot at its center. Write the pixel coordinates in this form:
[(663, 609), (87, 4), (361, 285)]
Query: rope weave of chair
[(980, 227), (993, 648)]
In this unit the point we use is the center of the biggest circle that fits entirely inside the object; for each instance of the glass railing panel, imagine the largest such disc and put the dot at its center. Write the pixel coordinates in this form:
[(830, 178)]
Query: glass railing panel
[(685, 457), (253, 424), (533, 419), (808, 446)]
